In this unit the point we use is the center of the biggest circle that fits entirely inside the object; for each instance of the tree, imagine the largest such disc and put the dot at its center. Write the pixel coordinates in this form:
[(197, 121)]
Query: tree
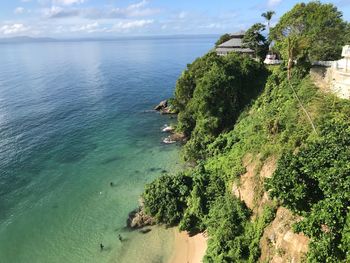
[(295, 46), (315, 182), (254, 39), (268, 16), (225, 224), (222, 87), (318, 25), (165, 199), (347, 34)]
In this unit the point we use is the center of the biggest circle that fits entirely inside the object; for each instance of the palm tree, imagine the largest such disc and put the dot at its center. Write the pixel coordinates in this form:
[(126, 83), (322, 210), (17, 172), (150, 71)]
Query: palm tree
[(268, 16)]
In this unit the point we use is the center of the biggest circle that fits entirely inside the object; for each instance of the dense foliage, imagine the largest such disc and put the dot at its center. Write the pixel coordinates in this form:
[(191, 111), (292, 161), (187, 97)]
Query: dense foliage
[(229, 110), (210, 95), (315, 183), (274, 125), (255, 40), (165, 199), (318, 28), (233, 237)]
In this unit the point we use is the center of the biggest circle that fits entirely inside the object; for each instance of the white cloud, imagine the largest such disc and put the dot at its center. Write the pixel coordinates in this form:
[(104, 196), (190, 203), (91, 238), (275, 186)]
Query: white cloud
[(13, 29), (138, 5), (214, 26), (182, 15), (134, 10), (88, 28), (19, 10), (26, 1), (138, 9), (67, 2), (59, 12), (273, 3), (127, 25)]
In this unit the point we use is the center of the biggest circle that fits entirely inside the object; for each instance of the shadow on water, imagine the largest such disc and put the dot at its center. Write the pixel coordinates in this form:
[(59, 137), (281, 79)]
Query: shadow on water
[(72, 153), (111, 160)]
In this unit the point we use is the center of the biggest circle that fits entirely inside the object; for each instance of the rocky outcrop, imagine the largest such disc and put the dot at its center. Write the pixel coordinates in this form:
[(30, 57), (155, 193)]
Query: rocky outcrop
[(139, 219), (164, 108), (175, 137), (161, 106), (250, 189), (279, 243)]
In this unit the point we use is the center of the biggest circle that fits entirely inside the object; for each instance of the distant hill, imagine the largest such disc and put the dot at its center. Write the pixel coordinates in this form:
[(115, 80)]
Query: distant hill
[(25, 39)]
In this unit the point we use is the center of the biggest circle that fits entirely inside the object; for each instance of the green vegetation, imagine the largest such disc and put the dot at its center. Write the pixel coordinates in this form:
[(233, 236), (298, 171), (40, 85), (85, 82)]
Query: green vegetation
[(318, 29), (268, 16), (165, 199), (230, 107), (315, 183), (254, 40), (210, 95)]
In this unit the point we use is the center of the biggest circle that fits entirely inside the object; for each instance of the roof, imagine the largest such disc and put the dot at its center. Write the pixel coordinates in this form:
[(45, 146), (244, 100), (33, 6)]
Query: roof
[(239, 50), (238, 34), (234, 42)]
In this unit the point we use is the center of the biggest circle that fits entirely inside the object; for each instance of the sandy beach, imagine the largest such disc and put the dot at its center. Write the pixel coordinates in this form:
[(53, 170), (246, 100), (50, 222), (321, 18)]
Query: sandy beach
[(188, 249)]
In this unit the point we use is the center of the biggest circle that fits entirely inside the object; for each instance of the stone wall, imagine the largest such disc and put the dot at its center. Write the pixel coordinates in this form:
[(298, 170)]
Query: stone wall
[(333, 79)]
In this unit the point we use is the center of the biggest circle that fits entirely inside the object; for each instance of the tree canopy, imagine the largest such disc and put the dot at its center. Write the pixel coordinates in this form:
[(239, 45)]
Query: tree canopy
[(211, 93), (268, 16), (320, 25), (254, 39), (315, 183)]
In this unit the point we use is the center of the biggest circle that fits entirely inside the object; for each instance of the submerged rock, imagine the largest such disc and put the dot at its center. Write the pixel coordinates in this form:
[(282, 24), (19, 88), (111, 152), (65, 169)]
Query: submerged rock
[(145, 231), (175, 137), (168, 140), (139, 219)]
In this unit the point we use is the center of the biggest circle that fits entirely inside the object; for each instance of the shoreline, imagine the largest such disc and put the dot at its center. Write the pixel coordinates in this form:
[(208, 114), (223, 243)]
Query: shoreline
[(188, 249)]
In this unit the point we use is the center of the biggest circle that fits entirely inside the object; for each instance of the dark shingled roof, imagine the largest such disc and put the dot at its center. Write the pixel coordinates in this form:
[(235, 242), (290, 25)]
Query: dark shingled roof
[(239, 50), (235, 44)]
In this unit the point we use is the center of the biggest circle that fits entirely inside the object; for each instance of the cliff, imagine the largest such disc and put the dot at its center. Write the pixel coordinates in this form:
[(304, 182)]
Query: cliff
[(269, 187)]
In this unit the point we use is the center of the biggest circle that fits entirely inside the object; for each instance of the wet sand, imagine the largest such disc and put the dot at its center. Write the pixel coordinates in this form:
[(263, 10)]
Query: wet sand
[(188, 249)]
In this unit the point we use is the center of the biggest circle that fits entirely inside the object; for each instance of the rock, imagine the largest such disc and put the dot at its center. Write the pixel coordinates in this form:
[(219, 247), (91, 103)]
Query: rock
[(139, 219), (168, 140), (145, 231), (175, 137), (161, 106), (168, 129)]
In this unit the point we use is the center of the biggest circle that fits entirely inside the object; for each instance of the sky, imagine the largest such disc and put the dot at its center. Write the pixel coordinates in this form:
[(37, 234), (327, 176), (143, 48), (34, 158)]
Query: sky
[(115, 18)]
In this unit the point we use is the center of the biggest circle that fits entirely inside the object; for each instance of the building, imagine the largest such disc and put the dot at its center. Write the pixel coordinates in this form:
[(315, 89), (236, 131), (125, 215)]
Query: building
[(272, 59), (340, 71), (334, 76), (235, 44)]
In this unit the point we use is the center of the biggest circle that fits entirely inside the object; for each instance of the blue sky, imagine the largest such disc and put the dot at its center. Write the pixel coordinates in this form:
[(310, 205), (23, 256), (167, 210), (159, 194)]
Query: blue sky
[(113, 18)]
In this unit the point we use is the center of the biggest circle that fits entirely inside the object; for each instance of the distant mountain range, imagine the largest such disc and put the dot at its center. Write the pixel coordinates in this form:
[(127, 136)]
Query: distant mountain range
[(25, 39)]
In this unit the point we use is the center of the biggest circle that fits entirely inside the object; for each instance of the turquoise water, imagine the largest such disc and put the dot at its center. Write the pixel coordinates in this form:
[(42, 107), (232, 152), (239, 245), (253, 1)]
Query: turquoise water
[(72, 120)]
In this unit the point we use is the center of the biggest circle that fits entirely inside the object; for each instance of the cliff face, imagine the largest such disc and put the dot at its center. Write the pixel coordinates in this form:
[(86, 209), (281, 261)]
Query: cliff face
[(256, 176), (278, 243), (265, 143)]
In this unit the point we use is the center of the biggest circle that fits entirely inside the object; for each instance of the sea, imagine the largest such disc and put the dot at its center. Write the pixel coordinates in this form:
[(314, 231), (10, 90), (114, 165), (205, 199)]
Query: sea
[(75, 116)]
